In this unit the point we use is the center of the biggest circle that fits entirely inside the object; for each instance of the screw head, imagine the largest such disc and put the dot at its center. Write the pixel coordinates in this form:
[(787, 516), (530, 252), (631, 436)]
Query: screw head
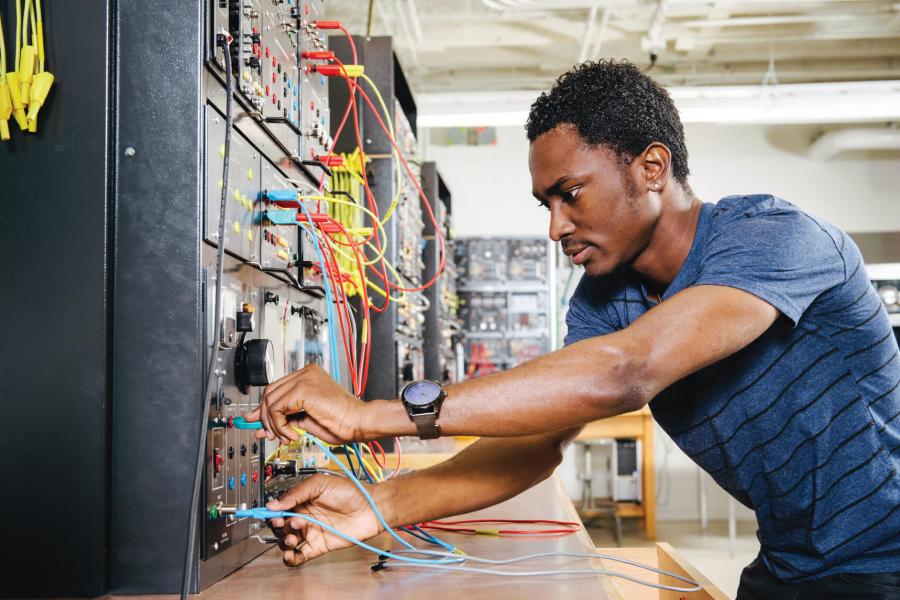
[(129, 151)]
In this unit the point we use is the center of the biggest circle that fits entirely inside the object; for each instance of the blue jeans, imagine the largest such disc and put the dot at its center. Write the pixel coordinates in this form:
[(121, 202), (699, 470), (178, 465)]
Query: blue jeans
[(757, 583)]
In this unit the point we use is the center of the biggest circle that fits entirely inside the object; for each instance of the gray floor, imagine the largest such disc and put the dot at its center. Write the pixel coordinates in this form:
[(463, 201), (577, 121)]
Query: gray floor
[(707, 550)]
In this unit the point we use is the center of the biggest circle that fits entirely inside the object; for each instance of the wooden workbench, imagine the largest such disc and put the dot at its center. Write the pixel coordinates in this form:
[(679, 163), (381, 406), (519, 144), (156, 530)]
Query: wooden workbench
[(345, 573)]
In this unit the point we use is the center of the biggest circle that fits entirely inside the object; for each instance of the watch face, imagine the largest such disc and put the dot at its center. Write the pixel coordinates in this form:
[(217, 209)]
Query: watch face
[(421, 393)]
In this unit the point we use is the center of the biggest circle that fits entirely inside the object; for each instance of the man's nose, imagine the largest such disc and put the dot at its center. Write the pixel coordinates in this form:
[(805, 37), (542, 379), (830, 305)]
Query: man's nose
[(560, 226)]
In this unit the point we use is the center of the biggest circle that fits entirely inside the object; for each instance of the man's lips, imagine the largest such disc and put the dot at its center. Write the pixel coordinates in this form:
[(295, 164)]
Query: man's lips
[(578, 254)]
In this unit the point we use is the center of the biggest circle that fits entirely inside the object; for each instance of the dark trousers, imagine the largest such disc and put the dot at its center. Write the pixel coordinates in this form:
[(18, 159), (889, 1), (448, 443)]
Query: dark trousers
[(757, 583)]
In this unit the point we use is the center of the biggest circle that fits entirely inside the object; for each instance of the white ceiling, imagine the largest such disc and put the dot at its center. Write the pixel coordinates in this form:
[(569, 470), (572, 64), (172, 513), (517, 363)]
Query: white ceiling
[(495, 45)]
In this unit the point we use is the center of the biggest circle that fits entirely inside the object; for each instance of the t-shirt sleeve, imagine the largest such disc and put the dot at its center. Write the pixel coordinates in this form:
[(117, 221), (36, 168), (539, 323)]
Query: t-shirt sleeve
[(778, 254), (585, 319)]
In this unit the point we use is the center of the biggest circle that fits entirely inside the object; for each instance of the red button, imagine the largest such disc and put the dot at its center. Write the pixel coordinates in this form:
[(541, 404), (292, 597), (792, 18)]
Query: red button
[(254, 476), (267, 90), (219, 460), (273, 77), (274, 62), (267, 52)]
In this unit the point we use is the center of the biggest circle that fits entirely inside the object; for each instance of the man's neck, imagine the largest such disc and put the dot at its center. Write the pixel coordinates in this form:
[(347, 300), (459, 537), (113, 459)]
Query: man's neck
[(672, 238)]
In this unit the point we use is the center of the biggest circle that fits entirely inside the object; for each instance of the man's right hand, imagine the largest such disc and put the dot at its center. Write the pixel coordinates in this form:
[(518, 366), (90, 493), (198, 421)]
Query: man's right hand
[(331, 499)]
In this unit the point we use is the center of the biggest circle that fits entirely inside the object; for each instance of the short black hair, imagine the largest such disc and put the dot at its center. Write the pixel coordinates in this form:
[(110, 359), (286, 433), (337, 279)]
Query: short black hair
[(612, 103)]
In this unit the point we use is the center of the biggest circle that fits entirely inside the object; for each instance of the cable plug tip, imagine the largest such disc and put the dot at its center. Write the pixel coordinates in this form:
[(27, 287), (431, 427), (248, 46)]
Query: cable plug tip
[(379, 566), (263, 514)]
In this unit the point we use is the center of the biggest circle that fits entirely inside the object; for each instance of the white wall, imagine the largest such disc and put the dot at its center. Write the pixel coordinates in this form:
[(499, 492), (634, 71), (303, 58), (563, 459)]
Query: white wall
[(491, 190), (492, 187), (854, 193)]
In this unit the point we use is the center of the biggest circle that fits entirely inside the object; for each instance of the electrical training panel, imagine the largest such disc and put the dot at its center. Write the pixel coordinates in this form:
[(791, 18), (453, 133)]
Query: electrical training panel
[(506, 306), (410, 265), (270, 327), (442, 324)]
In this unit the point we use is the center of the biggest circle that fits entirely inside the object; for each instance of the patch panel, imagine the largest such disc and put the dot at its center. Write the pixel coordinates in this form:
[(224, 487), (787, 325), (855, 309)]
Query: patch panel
[(278, 53), (269, 331), (278, 226), (315, 111), (271, 40), (484, 312), (410, 221), (233, 454), (442, 322), (241, 209), (505, 303), (482, 260), (527, 260)]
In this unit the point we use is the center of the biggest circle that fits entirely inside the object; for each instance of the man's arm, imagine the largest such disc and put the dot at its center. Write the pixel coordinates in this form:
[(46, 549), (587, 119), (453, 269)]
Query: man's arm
[(591, 379), (487, 472)]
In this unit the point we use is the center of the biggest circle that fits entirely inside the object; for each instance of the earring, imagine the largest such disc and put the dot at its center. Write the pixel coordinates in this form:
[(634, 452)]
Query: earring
[(655, 187)]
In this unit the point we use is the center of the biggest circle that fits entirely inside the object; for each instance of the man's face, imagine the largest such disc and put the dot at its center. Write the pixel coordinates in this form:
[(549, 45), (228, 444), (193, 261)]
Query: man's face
[(598, 211)]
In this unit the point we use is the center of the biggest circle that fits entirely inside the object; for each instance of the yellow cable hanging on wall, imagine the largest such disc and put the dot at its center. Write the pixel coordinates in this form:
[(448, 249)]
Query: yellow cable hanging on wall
[(24, 89), (5, 100), (43, 79)]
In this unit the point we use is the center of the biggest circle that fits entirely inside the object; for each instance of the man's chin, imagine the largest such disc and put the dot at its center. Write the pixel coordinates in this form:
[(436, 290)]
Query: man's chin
[(596, 268)]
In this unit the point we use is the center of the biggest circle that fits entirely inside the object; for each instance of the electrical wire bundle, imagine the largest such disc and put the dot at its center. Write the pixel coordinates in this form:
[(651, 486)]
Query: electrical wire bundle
[(451, 558), (351, 254), (24, 90)]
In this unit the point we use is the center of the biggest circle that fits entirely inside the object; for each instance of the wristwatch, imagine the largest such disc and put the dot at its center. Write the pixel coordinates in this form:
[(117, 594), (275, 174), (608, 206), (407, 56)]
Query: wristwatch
[(422, 400)]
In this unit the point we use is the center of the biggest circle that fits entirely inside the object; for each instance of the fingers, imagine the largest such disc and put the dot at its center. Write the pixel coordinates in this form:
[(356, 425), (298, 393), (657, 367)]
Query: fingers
[(252, 417), (301, 554), (280, 426), (277, 406), (303, 492)]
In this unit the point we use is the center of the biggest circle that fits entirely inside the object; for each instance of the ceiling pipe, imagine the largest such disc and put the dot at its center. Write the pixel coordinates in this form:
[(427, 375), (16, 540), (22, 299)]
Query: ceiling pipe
[(588, 34), (604, 26), (831, 143)]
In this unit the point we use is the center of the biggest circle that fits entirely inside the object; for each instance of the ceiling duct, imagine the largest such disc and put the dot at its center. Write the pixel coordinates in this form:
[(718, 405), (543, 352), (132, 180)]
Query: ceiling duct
[(830, 144)]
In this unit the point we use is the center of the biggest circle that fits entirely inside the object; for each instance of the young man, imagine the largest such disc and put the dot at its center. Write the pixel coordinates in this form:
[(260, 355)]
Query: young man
[(748, 326)]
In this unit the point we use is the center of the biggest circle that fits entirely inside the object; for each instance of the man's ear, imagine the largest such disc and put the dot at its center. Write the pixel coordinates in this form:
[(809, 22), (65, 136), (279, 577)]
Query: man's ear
[(655, 162)]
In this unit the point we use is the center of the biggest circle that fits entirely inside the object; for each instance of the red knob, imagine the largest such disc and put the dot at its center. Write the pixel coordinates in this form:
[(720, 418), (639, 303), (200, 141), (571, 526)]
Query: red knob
[(218, 460), (254, 476)]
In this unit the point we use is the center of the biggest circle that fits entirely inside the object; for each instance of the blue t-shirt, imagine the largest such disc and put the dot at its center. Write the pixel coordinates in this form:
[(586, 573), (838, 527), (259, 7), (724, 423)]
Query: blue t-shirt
[(801, 425)]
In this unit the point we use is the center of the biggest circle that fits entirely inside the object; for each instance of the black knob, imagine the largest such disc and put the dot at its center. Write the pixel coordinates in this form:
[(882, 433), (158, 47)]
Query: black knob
[(260, 361), (253, 364)]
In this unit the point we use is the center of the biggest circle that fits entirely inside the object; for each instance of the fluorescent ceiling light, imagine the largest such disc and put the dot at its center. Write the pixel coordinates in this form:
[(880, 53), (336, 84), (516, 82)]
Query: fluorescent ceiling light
[(851, 102)]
